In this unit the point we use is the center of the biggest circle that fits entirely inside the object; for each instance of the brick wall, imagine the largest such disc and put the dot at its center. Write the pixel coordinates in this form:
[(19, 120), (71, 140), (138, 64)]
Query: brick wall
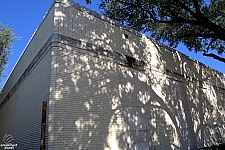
[(153, 109), (21, 115), (27, 87), (109, 87)]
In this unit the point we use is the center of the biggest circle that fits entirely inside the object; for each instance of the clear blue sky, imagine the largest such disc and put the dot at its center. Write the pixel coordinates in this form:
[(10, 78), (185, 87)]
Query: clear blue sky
[(24, 16)]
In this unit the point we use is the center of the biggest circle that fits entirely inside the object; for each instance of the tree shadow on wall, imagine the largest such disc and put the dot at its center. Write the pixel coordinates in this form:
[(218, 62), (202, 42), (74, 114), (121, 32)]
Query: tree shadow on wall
[(191, 100), (100, 104)]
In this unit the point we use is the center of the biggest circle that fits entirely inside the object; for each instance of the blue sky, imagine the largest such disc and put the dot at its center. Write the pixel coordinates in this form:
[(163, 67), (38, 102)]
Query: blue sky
[(24, 16)]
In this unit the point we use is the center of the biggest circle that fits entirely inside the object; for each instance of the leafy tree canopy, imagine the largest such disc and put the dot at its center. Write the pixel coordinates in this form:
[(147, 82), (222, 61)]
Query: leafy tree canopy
[(6, 40), (198, 24)]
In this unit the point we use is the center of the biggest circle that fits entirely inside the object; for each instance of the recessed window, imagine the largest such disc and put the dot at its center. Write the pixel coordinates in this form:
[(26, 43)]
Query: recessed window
[(134, 63), (125, 36)]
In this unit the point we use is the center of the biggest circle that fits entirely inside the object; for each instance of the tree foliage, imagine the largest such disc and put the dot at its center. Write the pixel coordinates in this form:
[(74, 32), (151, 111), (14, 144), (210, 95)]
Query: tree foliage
[(6, 40), (198, 24)]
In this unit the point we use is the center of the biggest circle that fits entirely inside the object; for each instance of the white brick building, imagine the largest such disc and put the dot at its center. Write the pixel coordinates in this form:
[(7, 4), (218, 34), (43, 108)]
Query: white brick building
[(108, 87)]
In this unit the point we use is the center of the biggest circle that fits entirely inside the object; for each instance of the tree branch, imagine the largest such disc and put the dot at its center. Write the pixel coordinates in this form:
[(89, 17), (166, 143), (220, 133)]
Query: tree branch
[(215, 57), (197, 8), (197, 35), (203, 20), (182, 5), (211, 42), (200, 19), (175, 20)]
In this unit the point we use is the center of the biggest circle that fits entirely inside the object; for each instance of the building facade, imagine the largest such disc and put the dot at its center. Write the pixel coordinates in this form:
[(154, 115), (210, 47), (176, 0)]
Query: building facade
[(108, 87)]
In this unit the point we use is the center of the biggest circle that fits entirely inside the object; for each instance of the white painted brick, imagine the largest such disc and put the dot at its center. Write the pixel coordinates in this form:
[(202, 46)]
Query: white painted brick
[(95, 102)]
